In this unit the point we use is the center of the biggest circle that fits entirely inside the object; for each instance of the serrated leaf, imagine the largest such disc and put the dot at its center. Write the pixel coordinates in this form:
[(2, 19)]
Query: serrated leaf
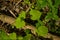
[(19, 23), (42, 31), (22, 14), (12, 36), (35, 14)]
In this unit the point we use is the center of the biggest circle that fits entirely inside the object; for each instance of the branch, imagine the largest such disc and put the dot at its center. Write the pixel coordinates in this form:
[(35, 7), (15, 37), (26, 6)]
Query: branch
[(7, 19), (11, 20)]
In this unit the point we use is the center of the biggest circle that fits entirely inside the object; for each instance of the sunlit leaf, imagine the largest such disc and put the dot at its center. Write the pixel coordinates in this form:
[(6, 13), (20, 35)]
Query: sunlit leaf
[(12, 36), (35, 14), (42, 31), (19, 23), (22, 14)]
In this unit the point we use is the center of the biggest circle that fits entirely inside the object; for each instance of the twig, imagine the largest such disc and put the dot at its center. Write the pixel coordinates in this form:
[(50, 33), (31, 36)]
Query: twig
[(12, 13), (28, 8), (3, 8), (18, 2), (53, 37), (32, 28)]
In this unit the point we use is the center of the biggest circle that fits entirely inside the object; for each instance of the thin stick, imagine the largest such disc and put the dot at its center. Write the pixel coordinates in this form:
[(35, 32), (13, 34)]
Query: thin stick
[(12, 13), (28, 8), (18, 2)]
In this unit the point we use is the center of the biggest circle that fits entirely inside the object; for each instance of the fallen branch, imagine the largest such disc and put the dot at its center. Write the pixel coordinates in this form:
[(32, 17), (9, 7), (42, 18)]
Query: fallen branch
[(54, 37), (10, 20), (7, 19)]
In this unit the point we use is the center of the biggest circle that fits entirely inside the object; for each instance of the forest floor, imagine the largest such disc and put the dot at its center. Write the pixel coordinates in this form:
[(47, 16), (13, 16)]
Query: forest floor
[(9, 11)]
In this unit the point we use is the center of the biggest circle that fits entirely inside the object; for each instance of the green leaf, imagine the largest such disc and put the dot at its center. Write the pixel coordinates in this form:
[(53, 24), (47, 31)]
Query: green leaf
[(55, 17), (20, 38), (27, 1), (50, 3), (19, 23), (12, 36), (57, 3), (35, 14), (22, 14), (40, 23), (27, 31), (48, 17), (54, 10), (53, 30), (3, 35), (41, 3), (27, 37), (42, 31)]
